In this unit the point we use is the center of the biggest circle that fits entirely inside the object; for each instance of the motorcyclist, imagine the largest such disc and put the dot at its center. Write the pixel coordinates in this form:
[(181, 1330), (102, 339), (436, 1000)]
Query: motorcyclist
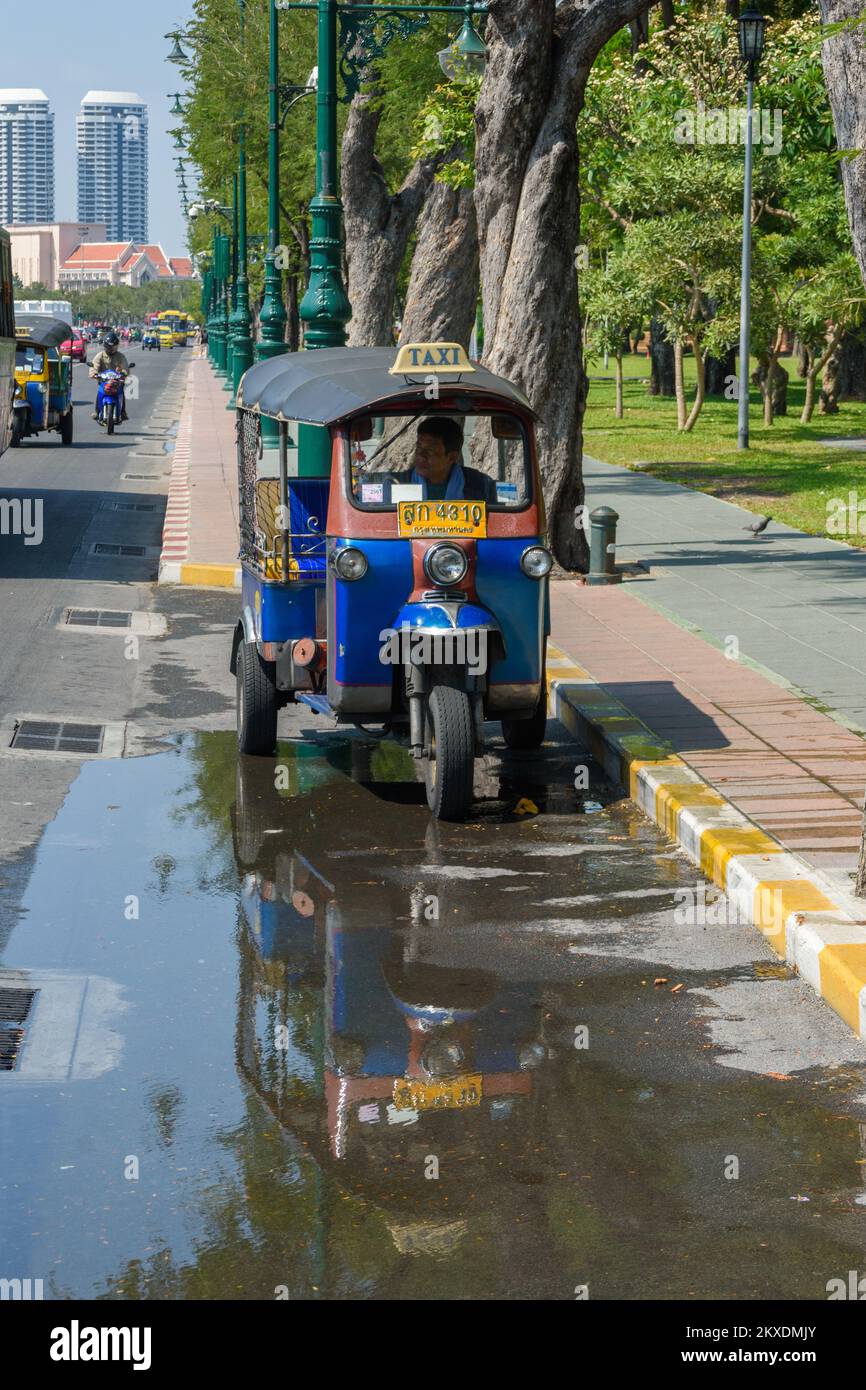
[(109, 358)]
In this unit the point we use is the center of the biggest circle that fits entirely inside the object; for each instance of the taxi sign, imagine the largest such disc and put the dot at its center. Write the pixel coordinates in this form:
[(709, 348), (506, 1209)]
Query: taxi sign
[(431, 357)]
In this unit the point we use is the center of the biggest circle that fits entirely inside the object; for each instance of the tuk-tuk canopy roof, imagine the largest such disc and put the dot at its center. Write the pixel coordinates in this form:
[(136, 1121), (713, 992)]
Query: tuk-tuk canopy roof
[(328, 384), (42, 329)]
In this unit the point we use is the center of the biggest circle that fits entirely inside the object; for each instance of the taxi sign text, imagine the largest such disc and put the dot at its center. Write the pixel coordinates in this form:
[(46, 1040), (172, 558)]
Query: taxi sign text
[(431, 357)]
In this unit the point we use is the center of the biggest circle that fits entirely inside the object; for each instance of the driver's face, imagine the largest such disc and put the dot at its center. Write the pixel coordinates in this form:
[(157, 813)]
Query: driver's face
[(432, 460)]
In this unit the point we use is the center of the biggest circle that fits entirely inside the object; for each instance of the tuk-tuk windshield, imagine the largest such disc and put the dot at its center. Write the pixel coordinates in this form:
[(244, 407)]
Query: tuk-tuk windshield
[(29, 359), (479, 458)]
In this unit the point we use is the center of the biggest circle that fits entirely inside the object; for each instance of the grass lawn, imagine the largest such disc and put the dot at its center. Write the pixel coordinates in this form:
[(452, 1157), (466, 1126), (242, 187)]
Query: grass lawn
[(786, 472)]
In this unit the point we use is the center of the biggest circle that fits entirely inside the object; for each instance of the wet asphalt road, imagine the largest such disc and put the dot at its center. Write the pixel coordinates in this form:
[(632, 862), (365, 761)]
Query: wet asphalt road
[(291, 1038)]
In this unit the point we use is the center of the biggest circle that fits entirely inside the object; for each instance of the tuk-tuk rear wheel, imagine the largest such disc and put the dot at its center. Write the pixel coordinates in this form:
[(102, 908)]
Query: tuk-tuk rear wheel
[(449, 762), (256, 703), (66, 428), (17, 430)]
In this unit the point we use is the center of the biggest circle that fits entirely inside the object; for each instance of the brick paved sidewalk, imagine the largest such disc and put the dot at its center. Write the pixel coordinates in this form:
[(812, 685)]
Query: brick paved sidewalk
[(200, 541), (797, 773)]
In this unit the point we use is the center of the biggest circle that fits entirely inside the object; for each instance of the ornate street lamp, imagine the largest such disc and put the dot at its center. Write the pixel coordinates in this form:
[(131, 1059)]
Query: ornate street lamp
[(177, 109), (365, 30), (750, 25), (467, 56), (177, 54)]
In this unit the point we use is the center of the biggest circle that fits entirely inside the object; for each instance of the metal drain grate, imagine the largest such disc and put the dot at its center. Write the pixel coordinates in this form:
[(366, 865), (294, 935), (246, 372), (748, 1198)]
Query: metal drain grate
[(53, 737), (149, 477), (133, 506), (97, 617), (15, 1005), (103, 548)]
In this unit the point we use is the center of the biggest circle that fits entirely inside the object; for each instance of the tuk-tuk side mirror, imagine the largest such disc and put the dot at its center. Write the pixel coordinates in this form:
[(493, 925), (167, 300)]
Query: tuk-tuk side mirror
[(361, 429), (505, 427)]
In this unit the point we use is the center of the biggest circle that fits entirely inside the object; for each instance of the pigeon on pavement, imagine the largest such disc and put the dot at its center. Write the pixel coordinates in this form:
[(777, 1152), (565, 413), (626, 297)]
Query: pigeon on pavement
[(760, 525)]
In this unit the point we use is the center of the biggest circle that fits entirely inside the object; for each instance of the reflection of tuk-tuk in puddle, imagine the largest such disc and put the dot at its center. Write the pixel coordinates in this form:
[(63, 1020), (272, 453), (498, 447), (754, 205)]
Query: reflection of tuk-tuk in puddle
[(43, 378), (360, 1033), (394, 565)]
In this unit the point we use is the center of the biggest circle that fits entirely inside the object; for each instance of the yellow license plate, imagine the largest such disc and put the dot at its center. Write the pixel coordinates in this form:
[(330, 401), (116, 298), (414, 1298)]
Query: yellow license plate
[(463, 519), (458, 1093)]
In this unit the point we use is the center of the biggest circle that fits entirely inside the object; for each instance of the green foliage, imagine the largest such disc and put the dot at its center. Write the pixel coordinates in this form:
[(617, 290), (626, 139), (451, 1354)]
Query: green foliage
[(665, 199), (446, 122)]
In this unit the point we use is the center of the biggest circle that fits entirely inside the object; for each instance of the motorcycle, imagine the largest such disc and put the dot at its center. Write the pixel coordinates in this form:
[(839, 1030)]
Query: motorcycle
[(110, 401)]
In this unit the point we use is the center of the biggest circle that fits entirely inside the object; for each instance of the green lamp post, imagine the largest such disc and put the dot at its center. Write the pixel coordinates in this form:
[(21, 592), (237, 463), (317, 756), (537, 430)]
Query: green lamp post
[(242, 343), (232, 296)]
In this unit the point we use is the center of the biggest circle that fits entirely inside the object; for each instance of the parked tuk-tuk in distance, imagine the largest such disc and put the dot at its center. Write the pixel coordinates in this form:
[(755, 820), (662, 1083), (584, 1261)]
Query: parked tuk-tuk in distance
[(394, 559), (43, 378)]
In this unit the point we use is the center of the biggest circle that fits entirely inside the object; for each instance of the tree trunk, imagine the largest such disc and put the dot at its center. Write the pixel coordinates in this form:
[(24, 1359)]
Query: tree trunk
[(860, 881), (844, 59), (680, 385), (526, 198), (293, 326), (852, 366), (661, 362), (442, 298), (717, 370), (809, 398), (699, 387), (618, 371), (830, 385), (378, 224)]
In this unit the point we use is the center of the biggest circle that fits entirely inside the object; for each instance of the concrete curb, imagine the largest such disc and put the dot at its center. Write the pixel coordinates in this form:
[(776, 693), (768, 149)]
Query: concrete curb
[(770, 887)]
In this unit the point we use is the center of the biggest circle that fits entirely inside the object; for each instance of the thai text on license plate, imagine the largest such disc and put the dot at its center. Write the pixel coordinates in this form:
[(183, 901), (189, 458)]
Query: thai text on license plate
[(466, 519), (457, 1093)]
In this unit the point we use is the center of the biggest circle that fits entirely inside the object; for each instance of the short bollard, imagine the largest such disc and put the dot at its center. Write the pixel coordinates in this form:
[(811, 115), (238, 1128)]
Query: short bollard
[(602, 547)]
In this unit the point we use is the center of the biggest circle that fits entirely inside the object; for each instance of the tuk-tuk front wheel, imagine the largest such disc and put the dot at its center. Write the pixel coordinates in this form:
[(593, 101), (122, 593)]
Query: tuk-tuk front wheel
[(256, 703), (450, 753)]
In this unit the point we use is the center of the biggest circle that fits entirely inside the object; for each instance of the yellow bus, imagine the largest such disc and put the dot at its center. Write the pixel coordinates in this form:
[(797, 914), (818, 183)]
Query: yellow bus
[(177, 322)]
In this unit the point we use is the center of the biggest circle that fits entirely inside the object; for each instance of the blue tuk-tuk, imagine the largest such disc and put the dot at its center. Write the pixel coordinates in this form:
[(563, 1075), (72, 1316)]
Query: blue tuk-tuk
[(43, 378), (394, 563)]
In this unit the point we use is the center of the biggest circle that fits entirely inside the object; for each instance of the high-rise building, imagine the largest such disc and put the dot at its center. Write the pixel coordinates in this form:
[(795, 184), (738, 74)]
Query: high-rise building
[(26, 156), (112, 163)]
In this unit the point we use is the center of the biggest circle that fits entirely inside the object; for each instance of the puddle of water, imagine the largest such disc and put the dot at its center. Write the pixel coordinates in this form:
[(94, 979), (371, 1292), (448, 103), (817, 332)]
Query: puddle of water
[(349, 1064)]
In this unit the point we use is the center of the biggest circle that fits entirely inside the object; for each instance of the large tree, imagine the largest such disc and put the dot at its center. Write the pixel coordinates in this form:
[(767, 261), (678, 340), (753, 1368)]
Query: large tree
[(527, 204), (844, 58)]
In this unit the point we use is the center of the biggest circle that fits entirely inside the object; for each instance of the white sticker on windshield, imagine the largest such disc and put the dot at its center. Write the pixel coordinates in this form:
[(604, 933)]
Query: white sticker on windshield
[(506, 492), (372, 492)]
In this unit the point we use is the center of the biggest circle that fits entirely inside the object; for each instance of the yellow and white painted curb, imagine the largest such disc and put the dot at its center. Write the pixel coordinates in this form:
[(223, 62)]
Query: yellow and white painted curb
[(768, 885)]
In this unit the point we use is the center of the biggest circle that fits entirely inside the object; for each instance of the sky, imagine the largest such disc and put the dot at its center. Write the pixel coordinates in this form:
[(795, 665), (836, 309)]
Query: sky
[(70, 48)]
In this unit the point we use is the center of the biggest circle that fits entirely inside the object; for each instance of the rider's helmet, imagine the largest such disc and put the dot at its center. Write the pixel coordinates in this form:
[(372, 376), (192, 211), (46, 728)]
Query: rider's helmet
[(110, 340)]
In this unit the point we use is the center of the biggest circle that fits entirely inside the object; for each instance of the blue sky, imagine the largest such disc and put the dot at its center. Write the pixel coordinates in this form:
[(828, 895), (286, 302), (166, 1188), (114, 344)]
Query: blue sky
[(67, 47)]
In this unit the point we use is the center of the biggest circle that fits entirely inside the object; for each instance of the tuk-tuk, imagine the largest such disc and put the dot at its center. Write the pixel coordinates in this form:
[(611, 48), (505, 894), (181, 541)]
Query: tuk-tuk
[(43, 378), (394, 566)]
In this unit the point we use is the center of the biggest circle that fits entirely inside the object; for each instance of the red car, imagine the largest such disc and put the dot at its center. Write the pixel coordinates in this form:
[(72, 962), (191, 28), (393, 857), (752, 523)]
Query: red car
[(76, 347)]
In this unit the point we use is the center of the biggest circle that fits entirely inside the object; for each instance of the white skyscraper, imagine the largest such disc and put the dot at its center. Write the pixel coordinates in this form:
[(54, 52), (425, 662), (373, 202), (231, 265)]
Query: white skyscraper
[(26, 156), (112, 163)]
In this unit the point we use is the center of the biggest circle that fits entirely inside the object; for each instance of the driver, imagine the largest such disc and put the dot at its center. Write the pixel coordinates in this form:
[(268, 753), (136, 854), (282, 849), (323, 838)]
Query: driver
[(439, 468), (109, 358)]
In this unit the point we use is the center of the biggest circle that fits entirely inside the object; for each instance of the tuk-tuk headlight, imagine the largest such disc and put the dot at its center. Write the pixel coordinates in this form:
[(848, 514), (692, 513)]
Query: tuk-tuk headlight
[(350, 563), (446, 564), (443, 1057), (536, 562)]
